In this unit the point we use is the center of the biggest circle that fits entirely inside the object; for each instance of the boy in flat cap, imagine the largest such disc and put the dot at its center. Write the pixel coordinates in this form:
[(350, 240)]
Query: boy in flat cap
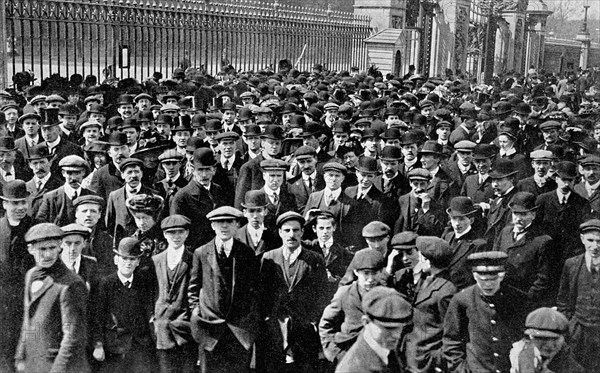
[(310, 178), (588, 187), (341, 321), (278, 198), (540, 182), (171, 163), (482, 320), (31, 126), (545, 347), (121, 330), (223, 297), (57, 205), (293, 280), (176, 349), (577, 298), (73, 243), (54, 329), (386, 320)]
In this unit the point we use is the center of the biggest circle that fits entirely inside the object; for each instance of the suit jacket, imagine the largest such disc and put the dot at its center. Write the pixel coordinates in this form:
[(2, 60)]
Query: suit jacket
[(529, 185), (22, 145), (336, 263), (61, 150), (477, 192), (287, 202), (100, 246), (194, 202), (404, 170), (57, 208), (54, 332), (250, 178), (293, 306), (106, 180), (457, 175), (119, 221), (569, 285), (397, 187), (300, 191), (220, 303), (35, 196), (362, 358), (430, 303), (458, 269), (499, 215), (171, 306), (442, 189), (594, 199), (269, 240), (341, 322), (412, 218), (88, 271), (528, 264), (370, 205)]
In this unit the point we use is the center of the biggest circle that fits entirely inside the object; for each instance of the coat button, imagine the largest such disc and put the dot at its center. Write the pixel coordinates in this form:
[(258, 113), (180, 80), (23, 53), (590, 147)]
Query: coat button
[(496, 354), (494, 339), (492, 305), (493, 322)]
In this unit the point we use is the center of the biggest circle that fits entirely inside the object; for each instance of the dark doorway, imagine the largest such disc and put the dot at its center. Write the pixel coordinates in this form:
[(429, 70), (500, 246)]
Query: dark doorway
[(397, 64)]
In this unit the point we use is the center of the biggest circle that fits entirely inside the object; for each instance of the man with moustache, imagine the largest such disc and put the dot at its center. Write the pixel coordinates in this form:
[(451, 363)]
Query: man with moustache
[(57, 145), (12, 166), (125, 106), (57, 205), (410, 149), (14, 263), (108, 178), (391, 182), (310, 178), (478, 187), (503, 183), (42, 181), (588, 187), (540, 182), (142, 102)]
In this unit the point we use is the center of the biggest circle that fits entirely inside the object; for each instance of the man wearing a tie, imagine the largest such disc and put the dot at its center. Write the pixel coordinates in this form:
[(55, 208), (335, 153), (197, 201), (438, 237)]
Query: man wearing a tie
[(280, 200), (589, 186), (72, 245), (310, 178), (54, 331), (31, 125), (254, 234), (42, 181)]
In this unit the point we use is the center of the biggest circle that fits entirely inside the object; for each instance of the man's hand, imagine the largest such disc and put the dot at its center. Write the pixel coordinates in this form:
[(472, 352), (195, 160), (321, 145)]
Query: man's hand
[(390, 261)]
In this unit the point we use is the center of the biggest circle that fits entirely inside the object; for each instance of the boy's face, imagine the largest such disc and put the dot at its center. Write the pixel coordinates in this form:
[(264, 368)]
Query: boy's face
[(126, 265)]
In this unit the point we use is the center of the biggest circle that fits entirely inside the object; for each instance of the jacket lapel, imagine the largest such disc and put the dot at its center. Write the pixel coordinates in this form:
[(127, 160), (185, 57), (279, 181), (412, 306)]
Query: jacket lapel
[(302, 267), (48, 282), (181, 271), (427, 292)]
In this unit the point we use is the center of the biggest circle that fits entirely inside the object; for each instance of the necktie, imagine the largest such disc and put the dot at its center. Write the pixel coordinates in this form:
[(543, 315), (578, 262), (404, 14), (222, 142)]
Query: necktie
[(226, 164), (275, 198), (563, 200), (310, 184), (329, 200), (74, 196), (386, 184), (127, 284), (39, 185), (222, 254)]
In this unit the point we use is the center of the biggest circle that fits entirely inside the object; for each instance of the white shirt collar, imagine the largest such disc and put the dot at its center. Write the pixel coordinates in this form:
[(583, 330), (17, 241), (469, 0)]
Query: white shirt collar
[(390, 178), (174, 256), (312, 176), (76, 266), (255, 234), (326, 246), (230, 160), (12, 174), (409, 164), (227, 244), (377, 348), (508, 152), (53, 144), (174, 177), (591, 188), (124, 279), (334, 193), (271, 193), (457, 236), (562, 196), (434, 171), (36, 139), (69, 191), (291, 257), (588, 261), (463, 169), (364, 192), (130, 190)]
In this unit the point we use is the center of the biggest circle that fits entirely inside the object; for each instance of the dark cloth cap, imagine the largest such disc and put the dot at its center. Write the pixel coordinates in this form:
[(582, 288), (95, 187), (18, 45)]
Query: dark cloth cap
[(88, 198), (549, 125), (68, 109), (484, 151), (437, 250), (546, 322), (73, 163), (229, 106), (227, 136), (7, 143), (590, 225), (38, 152), (522, 202), (566, 170), (419, 174), (164, 118), (204, 157), (213, 125), (375, 229), (488, 261), (43, 232), (503, 168), (405, 240), (386, 306), (15, 190), (129, 123), (225, 213), (131, 162), (274, 165), (305, 151), (175, 221), (146, 203), (129, 247), (461, 206), (431, 147), (312, 129), (341, 126), (335, 166), (370, 133), (444, 123), (75, 228), (290, 215), (255, 199), (391, 153), (367, 259)]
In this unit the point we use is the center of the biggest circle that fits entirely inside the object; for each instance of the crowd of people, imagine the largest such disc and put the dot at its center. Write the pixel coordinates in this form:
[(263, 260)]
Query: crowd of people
[(300, 222)]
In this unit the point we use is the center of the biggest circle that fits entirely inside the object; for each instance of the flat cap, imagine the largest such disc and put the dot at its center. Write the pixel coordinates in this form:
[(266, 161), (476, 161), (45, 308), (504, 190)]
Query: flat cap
[(175, 221), (590, 225), (225, 213), (274, 165), (541, 154), (335, 166), (170, 155), (419, 174), (43, 232), (331, 106), (230, 135), (386, 307), (367, 259), (465, 145), (549, 125), (436, 250), (75, 228), (73, 163), (488, 261), (405, 240), (546, 322), (130, 162), (375, 229), (305, 151), (590, 160), (169, 107), (88, 198), (290, 215)]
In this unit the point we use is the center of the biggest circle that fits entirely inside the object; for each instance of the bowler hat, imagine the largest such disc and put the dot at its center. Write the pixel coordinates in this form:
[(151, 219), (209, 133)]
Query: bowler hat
[(39, 151), (546, 322), (461, 206), (566, 170), (385, 306), (311, 129), (288, 216), (147, 203), (367, 259), (484, 151), (7, 144), (114, 123), (370, 133), (410, 137), (75, 228), (391, 153), (194, 143), (298, 121), (175, 221), (129, 247), (255, 199), (125, 99), (183, 123), (43, 232), (213, 125), (391, 134), (129, 123), (68, 109), (117, 139), (15, 190), (204, 157), (488, 261), (229, 106), (273, 132), (225, 213), (522, 108), (367, 164), (503, 168), (436, 250), (252, 130), (522, 202), (164, 119), (341, 126), (375, 229), (431, 147)]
